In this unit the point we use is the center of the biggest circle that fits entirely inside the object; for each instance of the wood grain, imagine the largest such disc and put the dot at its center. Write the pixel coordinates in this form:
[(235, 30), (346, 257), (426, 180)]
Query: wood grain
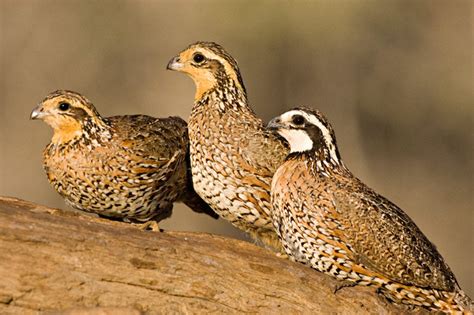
[(62, 262)]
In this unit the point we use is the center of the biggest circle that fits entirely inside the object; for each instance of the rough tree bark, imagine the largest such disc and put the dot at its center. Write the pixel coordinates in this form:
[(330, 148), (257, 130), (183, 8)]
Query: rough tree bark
[(68, 263)]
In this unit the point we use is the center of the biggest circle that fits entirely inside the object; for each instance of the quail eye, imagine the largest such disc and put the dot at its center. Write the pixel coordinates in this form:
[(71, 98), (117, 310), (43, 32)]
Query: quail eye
[(198, 58), (64, 106), (298, 120)]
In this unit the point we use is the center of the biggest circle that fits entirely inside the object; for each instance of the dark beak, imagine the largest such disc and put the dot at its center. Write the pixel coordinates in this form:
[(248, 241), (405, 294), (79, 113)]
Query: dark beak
[(37, 112), (174, 64), (275, 124)]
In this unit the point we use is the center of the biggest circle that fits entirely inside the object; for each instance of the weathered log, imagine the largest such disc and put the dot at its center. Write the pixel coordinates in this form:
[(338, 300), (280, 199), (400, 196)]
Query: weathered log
[(70, 263)]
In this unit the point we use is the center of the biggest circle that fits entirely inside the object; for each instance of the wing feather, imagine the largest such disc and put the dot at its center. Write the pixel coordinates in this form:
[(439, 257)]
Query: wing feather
[(386, 240)]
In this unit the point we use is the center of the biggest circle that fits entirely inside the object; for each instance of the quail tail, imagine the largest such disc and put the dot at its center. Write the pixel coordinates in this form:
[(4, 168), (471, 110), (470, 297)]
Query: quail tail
[(440, 301)]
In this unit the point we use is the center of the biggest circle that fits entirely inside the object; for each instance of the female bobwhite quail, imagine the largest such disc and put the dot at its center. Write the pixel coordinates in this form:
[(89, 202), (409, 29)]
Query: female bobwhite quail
[(328, 219), (233, 156), (124, 167)]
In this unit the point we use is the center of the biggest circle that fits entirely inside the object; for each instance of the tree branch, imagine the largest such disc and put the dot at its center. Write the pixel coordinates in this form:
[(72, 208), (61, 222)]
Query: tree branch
[(61, 260)]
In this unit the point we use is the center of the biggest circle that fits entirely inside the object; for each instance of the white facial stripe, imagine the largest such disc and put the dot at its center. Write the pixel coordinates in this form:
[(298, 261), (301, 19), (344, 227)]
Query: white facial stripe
[(286, 117), (298, 140)]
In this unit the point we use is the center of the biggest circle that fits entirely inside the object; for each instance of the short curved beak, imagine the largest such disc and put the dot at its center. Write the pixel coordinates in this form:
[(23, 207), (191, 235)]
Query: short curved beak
[(37, 113), (275, 124), (174, 64)]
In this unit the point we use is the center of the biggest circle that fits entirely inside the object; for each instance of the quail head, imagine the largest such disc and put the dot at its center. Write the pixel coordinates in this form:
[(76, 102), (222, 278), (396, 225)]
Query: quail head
[(130, 168)]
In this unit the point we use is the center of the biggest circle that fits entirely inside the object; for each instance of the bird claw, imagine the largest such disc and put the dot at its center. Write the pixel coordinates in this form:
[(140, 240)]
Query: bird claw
[(282, 255), (343, 284), (150, 225)]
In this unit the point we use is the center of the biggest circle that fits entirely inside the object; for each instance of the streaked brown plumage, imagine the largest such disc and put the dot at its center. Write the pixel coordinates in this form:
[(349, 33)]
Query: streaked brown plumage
[(124, 167), (328, 219), (233, 156)]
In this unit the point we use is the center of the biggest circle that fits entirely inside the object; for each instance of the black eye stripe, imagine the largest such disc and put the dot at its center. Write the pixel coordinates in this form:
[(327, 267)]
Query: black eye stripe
[(298, 119)]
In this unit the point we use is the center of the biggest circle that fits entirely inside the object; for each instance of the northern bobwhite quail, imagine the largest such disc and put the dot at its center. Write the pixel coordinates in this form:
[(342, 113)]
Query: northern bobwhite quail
[(330, 220), (124, 167), (233, 156)]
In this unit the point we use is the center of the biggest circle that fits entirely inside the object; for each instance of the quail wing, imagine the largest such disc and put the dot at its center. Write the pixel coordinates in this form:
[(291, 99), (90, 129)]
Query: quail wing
[(386, 240)]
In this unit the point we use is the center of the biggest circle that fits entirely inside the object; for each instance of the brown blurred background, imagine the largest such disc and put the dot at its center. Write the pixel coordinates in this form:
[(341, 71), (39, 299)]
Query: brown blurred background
[(394, 77)]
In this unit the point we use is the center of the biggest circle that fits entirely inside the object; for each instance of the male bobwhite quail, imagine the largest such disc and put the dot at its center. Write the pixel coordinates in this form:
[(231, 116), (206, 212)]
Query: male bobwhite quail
[(233, 156), (124, 167), (330, 220)]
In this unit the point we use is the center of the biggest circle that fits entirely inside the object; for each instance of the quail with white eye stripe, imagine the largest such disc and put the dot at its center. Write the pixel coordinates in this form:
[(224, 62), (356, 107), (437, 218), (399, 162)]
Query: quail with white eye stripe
[(330, 220), (131, 168)]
